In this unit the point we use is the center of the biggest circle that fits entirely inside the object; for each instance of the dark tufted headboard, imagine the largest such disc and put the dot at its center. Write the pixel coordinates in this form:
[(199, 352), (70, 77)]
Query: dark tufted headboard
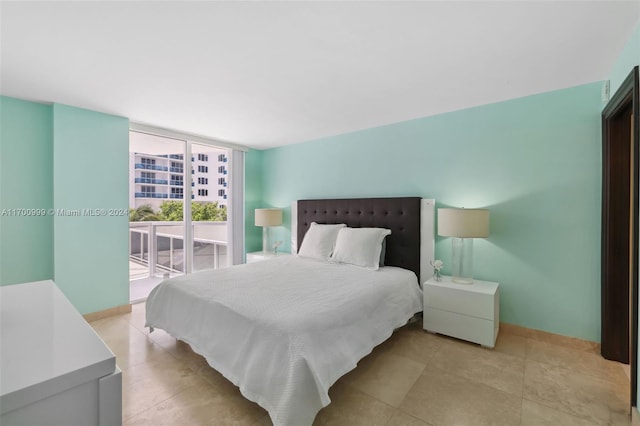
[(400, 215)]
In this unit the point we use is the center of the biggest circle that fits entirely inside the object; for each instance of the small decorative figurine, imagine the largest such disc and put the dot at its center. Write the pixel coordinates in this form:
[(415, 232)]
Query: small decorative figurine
[(437, 265)]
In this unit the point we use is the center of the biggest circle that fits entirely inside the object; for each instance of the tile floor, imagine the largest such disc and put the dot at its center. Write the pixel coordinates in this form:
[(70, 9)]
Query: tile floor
[(415, 378)]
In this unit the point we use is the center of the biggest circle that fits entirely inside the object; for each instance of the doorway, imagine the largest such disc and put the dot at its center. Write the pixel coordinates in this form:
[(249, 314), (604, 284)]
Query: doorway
[(619, 280)]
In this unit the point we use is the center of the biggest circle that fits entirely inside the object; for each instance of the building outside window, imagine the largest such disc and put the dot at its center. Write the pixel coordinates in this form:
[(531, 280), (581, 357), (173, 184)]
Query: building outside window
[(164, 169), (177, 180)]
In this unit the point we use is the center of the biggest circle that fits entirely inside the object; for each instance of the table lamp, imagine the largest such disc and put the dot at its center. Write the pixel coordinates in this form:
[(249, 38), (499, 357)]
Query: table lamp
[(463, 225), (267, 218)]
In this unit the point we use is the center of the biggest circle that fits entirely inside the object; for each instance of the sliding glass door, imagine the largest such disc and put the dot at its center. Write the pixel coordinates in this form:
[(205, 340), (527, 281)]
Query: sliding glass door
[(209, 207), (178, 209)]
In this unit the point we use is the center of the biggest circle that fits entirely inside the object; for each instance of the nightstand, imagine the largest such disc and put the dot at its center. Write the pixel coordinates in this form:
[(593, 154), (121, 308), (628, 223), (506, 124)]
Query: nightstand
[(258, 256), (465, 311)]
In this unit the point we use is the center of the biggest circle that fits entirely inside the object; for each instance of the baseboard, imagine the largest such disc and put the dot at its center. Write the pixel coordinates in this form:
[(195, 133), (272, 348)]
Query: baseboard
[(557, 339), (545, 336), (118, 310), (635, 416)]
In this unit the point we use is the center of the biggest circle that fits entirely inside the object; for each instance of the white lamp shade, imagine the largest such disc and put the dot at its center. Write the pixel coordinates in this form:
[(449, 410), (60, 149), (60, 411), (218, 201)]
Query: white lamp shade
[(268, 217), (463, 223)]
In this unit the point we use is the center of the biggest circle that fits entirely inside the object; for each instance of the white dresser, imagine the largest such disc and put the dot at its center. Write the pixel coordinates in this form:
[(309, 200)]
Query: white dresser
[(465, 311), (54, 369)]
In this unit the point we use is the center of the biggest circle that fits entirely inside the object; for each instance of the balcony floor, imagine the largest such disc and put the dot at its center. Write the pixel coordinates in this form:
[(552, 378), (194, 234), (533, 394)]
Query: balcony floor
[(139, 289), (140, 283), (137, 271)]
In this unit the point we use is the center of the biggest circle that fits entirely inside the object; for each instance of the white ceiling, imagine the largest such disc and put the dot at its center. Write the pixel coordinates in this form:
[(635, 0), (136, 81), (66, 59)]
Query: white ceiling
[(266, 74)]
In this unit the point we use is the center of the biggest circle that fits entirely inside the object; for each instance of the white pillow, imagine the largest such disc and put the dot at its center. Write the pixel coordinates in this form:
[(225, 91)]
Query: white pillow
[(319, 241), (359, 246)]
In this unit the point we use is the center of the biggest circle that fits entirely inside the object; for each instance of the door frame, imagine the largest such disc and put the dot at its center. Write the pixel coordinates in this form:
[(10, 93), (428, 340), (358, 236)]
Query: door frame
[(626, 95)]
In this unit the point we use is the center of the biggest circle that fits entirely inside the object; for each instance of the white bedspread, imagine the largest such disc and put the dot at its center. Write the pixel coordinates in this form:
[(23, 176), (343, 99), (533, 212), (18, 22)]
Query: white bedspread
[(284, 330)]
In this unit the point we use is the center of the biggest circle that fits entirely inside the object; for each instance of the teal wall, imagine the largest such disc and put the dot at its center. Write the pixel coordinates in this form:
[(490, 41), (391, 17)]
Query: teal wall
[(25, 183), (629, 58), (534, 162), (91, 171), (60, 157), (252, 199)]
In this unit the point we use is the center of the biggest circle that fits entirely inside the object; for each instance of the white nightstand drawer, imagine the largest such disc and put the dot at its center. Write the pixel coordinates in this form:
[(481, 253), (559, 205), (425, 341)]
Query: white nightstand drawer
[(463, 327), (460, 301), (477, 300)]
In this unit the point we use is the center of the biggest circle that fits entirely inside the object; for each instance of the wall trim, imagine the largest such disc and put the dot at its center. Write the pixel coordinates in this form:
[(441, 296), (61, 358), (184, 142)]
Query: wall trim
[(556, 339), (118, 310)]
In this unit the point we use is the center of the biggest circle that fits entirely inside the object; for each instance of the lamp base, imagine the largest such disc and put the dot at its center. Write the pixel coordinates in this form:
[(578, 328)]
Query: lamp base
[(462, 260), (265, 238), (460, 280)]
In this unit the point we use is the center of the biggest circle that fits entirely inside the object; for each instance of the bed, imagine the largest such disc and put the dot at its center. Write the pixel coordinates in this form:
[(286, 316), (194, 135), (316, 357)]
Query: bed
[(284, 330)]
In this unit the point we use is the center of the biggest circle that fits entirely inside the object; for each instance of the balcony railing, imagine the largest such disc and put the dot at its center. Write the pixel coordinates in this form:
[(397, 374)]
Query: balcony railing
[(176, 182), (160, 246), (149, 180), (151, 167), (151, 195), (176, 169), (180, 196)]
